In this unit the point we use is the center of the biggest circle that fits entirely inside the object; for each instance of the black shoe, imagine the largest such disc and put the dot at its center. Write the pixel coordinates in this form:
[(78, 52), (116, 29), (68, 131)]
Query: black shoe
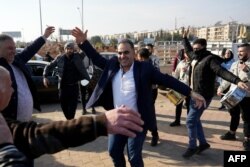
[(84, 111), (154, 140), (222, 107), (175, 123), (228, 136), (246, 145), (190, 152), (202, 148), (93, 111)]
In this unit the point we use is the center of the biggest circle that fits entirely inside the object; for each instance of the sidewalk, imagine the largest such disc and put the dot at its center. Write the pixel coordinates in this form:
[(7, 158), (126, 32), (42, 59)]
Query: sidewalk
[(173, 140)]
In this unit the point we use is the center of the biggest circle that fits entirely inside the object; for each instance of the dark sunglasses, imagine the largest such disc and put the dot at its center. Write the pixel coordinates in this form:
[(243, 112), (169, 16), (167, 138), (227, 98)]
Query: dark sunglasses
[(124, 52)]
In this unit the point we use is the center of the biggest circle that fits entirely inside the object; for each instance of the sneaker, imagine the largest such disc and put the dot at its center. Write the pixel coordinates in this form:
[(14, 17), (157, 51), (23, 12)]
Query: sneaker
[(246, 145), (84, 111), (175, 123), (228, 136), (154, 140), (189, 152), (93, 111), (222, 107), (202, 148)]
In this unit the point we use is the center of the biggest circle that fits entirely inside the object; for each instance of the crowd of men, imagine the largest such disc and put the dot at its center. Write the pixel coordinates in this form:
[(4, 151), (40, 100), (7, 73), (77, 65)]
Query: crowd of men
[(127, 89)]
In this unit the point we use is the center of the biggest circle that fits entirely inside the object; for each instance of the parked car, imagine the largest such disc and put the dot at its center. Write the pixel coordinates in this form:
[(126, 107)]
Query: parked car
[(51, 93), (108, 55)]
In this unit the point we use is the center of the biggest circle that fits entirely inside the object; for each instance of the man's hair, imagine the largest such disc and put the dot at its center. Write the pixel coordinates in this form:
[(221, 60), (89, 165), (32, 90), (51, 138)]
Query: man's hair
[(128, 42), (4, 37), (70, 45), (143, 52), (201, 41), (150, 45), (247, 45)]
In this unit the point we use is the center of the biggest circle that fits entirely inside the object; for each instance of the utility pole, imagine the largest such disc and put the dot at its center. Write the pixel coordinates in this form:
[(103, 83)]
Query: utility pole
[(41, 23), (81, 16)]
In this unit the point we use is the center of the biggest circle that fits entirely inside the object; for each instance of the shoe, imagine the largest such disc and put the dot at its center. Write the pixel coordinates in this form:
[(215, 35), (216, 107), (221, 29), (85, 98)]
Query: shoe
[(84, 111), (175, 123), (246, 145), (222, 107), (154, 141), (93, 111), (228, 136), (190, 152), (202, 148)]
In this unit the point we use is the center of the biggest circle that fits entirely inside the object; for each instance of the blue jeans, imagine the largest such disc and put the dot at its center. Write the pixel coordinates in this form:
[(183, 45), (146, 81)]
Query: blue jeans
[(134, 149), (194, 126)]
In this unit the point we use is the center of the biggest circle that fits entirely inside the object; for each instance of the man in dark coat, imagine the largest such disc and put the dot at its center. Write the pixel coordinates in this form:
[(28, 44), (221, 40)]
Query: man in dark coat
[(24, 97), (125, 81)]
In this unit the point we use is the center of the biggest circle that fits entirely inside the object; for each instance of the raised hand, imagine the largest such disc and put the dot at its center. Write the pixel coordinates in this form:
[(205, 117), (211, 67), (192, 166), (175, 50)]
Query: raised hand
[(185, 33), (123, 121), (79, 35), (48, 31)]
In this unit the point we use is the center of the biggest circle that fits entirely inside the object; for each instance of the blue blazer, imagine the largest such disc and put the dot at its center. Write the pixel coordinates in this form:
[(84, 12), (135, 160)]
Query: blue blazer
[(145, 75), (20, 60)]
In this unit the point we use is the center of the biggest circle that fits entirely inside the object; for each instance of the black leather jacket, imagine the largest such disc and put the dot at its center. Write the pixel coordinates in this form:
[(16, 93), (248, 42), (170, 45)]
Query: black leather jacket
[(207, 67), (59, 62)]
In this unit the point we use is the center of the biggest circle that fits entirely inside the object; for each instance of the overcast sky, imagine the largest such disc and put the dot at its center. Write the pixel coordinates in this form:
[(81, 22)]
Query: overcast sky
[(118, 16)]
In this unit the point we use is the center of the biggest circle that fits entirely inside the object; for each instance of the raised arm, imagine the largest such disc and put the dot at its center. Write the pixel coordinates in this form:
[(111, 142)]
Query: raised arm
[(34, 47)]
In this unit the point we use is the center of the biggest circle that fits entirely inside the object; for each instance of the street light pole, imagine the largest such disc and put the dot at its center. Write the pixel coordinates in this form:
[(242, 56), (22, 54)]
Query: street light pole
[(81, 15), (41, 23)]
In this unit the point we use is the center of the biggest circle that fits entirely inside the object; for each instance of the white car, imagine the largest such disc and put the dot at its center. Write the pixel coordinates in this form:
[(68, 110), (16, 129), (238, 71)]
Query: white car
[(109, 55)]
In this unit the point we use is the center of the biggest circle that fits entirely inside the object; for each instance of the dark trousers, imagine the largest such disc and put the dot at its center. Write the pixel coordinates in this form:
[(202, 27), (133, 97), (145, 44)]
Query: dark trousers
[(235, 118), (69, 99), (85, 95), (244, 108), (178, 109), (154, 131)]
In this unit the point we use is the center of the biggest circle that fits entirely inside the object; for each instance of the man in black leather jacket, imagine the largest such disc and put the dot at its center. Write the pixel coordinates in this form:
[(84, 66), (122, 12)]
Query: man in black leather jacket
[(70, 70), (204, 68)]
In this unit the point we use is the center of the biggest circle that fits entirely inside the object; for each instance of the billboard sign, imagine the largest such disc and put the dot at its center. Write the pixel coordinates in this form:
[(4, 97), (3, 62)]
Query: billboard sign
[(13, 34), (64, 32)]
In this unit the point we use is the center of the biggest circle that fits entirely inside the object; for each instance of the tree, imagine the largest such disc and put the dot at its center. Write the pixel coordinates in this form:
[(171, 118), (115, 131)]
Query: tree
[(95, 39), (113, 42)]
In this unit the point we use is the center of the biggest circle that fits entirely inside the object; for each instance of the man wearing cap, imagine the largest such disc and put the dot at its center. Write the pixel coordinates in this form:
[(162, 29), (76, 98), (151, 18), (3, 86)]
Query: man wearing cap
[(70, 71)]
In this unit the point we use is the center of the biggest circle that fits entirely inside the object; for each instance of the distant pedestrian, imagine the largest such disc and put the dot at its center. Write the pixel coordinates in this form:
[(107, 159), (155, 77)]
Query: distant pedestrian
[(48, 57)]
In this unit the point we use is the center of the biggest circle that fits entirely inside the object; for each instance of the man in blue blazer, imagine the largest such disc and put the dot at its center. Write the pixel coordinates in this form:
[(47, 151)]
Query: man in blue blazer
[(24, 96), (125, 81)]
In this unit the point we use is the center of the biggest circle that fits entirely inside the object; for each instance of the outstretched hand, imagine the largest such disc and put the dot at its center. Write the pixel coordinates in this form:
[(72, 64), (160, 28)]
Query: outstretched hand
[(79, 35), (48, 31), (123, 121)]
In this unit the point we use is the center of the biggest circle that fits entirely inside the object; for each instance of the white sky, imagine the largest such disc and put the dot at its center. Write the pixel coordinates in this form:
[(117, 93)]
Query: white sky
[(118, 16)]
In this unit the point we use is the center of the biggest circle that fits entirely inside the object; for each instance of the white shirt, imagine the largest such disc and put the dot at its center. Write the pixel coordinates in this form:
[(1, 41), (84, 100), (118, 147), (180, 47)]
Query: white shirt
[(193, 63), (124, 91), (24, 97)]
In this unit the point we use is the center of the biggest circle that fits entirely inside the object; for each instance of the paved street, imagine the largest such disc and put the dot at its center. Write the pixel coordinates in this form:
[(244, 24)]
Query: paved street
[(173, 140)]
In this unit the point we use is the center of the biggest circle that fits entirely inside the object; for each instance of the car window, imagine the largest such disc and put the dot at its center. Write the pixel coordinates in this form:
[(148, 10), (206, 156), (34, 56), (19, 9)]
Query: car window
[(37, 69)]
